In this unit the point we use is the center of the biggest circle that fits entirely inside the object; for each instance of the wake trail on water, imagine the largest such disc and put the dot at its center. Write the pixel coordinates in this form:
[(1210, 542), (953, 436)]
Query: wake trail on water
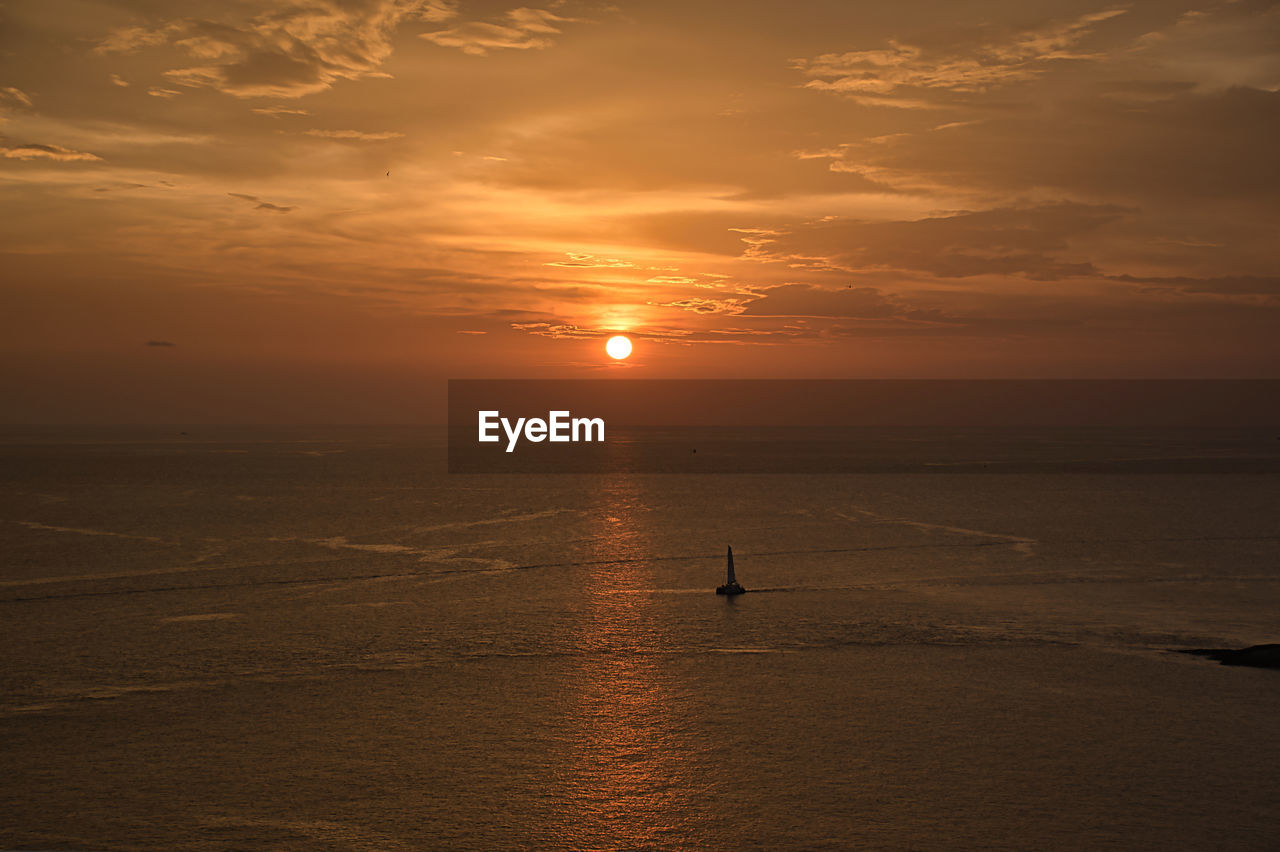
[(498, 566)]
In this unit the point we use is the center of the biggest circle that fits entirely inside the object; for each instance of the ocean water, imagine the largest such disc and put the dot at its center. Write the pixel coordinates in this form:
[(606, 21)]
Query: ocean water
[(319, 640)]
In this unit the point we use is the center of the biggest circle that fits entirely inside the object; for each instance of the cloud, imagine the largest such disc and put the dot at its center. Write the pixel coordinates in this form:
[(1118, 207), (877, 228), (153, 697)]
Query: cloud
[(287, 52), (1139, 143), (1228, 44), (354, 134), (117, 80), (764, 332), (521, 29), (811, 301), (707, 306), (434, 11), (883, 76), (1187, 111), (13, 103), (1028, 242), (45, 152), (13, 95), (562, 330), (1223, 285), (558, 330), (120, 187), (808, 300), (590, 261), (628, 151), (133, 39), (277, 111), (259, 204)]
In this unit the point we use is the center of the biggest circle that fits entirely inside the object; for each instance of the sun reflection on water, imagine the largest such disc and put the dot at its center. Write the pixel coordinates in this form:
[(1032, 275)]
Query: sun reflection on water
[(626, 777)]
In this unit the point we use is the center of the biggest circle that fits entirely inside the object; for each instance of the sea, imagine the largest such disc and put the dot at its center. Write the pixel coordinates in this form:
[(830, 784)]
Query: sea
[(217, 638)]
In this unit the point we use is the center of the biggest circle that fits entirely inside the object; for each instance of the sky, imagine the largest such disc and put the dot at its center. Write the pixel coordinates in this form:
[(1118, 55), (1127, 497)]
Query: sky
[(320, 211)]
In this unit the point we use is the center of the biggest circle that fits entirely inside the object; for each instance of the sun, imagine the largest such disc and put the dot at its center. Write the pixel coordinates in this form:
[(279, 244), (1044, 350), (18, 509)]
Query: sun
[(618, 347)]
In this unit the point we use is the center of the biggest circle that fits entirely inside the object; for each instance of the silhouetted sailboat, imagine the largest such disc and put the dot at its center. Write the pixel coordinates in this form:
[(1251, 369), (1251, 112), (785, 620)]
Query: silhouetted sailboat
[(731, 587)]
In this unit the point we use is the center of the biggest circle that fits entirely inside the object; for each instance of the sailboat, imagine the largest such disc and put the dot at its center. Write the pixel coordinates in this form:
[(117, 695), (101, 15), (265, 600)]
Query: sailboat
[(731, 587)]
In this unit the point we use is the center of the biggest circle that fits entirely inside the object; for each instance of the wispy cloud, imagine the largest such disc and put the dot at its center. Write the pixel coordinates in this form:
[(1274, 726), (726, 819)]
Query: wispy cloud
[(133, 39), (1224, 285), (518, 29), (1032, 242), (794, 300), (809, 300), (590, 261), (357, 135), (884, 76), (13, 95), (277, 111), (1226, 44), (259, 204), (287, 52), (706, 306), (45, 152)]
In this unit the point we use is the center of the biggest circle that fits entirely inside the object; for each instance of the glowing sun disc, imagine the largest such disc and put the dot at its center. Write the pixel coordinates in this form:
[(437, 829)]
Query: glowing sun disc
[(618, 347)]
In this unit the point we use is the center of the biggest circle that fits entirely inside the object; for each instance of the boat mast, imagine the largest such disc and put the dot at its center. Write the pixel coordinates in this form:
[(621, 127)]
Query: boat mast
[(732, 579)]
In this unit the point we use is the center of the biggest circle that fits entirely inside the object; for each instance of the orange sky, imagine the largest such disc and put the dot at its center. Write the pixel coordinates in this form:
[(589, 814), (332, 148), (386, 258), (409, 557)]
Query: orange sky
[(810, 189)]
